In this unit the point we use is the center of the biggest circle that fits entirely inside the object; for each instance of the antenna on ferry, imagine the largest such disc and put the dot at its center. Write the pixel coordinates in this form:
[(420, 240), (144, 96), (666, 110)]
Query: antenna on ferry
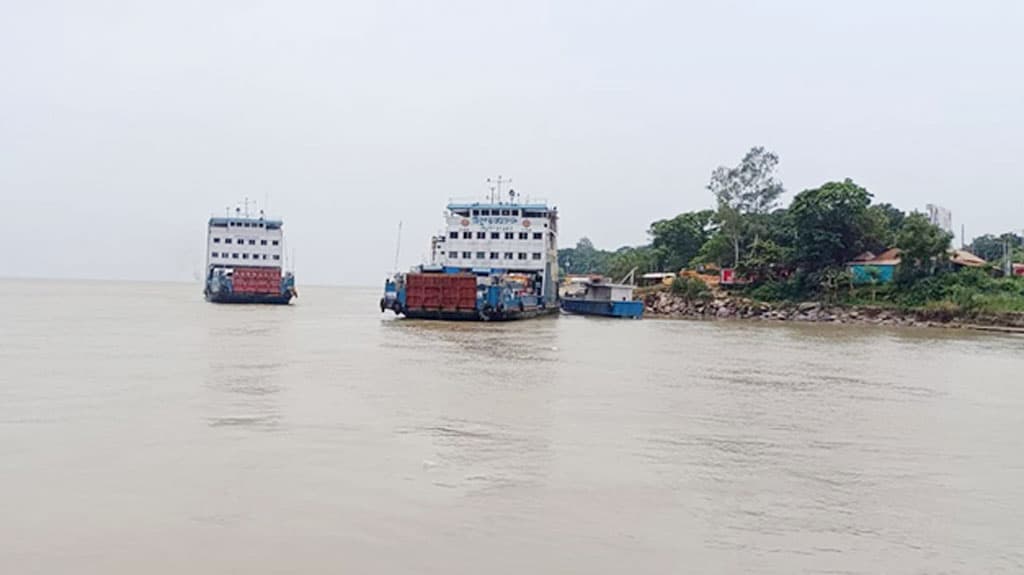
[(398, 246), (496, 187), (247, 206)]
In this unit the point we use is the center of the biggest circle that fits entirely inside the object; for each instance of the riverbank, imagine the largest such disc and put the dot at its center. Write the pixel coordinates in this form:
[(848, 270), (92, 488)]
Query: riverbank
[(723, 306)]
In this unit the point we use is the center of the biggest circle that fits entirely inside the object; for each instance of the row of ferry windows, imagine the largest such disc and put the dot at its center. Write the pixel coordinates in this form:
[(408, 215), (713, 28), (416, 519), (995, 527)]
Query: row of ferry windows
[(226, 255), (496, 235), (494, 255), (241, 242), (509, 212)]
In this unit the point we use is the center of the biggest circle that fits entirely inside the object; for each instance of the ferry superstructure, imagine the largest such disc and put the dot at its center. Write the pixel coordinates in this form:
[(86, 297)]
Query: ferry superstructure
[(244, 260), (496, 260)]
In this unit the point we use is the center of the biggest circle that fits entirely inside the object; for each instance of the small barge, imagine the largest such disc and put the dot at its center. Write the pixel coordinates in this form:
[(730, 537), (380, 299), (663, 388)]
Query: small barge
[(596, 296)]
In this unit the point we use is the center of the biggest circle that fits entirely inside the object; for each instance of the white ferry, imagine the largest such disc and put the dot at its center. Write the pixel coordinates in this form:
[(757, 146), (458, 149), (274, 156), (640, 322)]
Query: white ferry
[(496, 260), (244, 260)]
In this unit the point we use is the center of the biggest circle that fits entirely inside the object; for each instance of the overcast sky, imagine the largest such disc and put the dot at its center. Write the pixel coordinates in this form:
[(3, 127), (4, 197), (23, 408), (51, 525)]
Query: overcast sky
[(124, 125)]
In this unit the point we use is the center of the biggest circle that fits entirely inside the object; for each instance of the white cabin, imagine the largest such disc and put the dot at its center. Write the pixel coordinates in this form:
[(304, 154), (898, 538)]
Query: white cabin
[(500, 237), (244, 242)]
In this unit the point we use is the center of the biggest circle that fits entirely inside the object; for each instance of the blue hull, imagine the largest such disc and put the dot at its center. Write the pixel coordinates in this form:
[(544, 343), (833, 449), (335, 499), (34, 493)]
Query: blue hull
[(273, 299), (628, 309)]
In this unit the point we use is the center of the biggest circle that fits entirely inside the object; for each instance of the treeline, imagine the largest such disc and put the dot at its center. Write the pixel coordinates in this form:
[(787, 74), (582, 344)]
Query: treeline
[(805, 245)]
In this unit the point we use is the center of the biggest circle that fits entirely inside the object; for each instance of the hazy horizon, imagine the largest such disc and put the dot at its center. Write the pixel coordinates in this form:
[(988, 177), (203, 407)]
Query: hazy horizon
[(124, 126)]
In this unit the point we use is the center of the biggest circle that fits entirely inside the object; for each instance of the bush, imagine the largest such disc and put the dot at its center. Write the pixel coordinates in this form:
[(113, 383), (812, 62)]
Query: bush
[(690, 289), (969, 290)]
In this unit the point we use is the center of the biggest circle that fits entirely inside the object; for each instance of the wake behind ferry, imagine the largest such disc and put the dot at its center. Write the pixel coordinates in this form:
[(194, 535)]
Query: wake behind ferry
[(497, 260), (244, 258)]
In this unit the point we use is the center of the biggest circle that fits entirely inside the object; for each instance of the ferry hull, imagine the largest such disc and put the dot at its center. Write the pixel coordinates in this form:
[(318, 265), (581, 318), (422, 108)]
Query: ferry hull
[(624, 309), (270, 299), (467, 314)]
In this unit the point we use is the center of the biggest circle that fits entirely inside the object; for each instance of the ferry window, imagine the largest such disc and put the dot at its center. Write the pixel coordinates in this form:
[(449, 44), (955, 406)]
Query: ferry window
[(453, 235), (536, 255), (234, 256), (277, 257), (522, 255), (246, 224), (245, 256), (515, 212), (227, 240), (476, 212), (264, 256), (213, 254), (467, 256), (495, 235), (524, 235), (453, 255), (263, 242), (216, 240), (508, 255), (481, 235), (494, 255), (252, 242), (467, 235), (480, 255), (275, 242), (538, 235), (485, 212), (510, 236), (505, 212)]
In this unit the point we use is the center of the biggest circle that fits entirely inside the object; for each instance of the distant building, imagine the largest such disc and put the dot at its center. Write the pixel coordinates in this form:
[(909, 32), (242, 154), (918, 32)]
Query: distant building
[(870, 268), (940, 217)]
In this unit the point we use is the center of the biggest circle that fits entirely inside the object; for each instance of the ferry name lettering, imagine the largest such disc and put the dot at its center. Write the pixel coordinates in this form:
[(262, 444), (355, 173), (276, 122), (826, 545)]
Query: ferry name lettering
[(495, 220)]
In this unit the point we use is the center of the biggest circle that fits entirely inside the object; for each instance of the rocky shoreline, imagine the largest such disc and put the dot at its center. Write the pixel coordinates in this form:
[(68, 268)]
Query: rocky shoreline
[(667, 305)]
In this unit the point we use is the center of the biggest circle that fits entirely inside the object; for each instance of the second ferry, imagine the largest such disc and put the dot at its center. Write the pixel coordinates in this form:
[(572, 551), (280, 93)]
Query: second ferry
[(244, 259), (497, 260)]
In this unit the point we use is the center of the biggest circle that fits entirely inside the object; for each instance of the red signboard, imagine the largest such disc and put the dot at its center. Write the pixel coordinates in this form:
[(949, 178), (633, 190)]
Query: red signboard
[(728, 276)]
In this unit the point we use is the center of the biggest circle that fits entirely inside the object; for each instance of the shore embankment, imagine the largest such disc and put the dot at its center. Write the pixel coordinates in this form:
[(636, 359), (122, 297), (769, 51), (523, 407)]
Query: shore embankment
[(665, 304)]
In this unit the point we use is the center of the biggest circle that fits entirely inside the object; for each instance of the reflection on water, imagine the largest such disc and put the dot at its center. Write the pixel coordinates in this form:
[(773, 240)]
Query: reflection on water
[(247, 355), (138, 422)]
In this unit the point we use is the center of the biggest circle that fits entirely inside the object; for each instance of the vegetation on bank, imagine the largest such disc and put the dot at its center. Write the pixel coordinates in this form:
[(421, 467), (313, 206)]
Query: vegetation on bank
[(800, 252)]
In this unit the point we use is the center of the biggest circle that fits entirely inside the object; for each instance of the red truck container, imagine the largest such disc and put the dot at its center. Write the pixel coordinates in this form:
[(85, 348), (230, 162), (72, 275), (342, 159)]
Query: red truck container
[(447, 292), (256, 280)]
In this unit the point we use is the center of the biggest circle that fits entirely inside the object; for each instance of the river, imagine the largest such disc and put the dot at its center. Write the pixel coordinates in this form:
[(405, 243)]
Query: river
[(143, 430)]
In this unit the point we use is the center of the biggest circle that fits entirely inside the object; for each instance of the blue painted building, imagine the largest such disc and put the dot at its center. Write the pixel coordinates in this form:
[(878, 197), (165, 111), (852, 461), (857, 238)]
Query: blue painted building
[(868, 268)]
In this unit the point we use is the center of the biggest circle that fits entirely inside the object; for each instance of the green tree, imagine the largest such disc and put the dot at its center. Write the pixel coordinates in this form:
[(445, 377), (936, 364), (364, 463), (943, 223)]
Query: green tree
[(643, 258), (893, 217), (832, 224), (881, 225), (764, 259), (583, 259), (992, 248), (678, 240), (749, 188), (923, 246)]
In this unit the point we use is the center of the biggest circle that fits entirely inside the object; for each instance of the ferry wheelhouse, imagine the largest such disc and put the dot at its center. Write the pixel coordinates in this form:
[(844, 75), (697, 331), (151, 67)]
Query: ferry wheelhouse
[(244, 260), (495, 260)]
